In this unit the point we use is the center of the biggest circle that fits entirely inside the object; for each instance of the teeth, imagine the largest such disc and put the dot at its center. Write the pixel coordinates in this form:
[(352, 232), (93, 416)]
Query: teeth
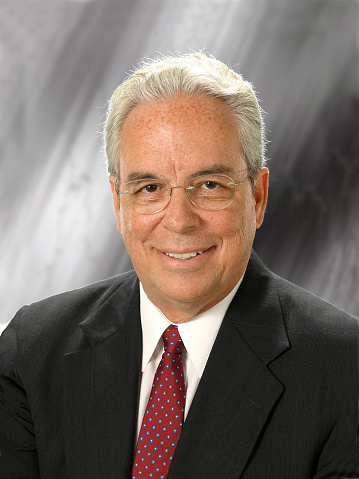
[(184, 255)]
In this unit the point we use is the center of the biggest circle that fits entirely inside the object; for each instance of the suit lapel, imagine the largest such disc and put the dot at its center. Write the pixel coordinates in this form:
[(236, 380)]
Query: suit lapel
[(101, 388), (237, 391)]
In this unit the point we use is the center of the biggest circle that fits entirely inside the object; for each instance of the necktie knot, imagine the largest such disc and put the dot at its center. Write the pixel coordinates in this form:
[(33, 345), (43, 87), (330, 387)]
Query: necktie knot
[(172, 340)]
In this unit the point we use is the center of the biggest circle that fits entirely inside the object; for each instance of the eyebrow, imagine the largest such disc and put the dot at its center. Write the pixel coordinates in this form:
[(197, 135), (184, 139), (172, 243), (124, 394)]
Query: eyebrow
[(141, 175), (213, 170)]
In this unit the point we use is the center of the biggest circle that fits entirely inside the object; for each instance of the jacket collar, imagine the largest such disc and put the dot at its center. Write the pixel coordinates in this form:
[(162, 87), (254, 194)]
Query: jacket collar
[(257, 314), (101, 384)]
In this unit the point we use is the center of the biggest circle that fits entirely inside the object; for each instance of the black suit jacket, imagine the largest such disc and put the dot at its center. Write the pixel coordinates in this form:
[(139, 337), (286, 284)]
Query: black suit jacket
[(277, 399)]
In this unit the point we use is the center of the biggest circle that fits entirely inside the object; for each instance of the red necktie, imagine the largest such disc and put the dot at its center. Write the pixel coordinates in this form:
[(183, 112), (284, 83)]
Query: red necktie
[(163, 419)]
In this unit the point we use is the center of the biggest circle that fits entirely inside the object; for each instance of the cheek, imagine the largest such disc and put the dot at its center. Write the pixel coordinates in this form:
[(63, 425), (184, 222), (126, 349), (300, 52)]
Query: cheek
[(240, 225), (135, 227)]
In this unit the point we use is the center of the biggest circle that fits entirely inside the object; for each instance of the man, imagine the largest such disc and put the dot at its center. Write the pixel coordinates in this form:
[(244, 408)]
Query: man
[(201, 363)]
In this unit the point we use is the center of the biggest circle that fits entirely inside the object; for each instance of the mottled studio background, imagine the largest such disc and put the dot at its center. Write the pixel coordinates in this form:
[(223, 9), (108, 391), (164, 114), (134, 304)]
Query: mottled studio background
[(60, 60)]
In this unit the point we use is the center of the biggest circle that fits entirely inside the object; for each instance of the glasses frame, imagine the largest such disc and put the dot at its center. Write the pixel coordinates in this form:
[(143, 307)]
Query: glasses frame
[(187, 189)]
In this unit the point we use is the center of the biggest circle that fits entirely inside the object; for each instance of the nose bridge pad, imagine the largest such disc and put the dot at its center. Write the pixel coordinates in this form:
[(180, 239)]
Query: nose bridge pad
[(187, 190)]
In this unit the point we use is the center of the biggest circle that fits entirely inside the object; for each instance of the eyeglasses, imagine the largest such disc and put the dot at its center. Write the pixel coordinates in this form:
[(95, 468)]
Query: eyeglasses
[(208, 192)]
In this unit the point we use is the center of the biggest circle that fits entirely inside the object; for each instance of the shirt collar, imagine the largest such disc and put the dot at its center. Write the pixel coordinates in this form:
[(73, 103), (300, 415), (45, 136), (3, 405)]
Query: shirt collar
[(153, 323), (198, 335)]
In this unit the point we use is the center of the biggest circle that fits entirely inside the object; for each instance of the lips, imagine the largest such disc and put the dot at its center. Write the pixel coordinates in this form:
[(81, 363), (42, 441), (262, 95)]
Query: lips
[(184, 255)]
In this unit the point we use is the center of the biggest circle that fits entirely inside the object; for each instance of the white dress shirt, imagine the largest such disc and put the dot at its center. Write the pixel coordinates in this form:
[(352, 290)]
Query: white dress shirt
[(198, 336)]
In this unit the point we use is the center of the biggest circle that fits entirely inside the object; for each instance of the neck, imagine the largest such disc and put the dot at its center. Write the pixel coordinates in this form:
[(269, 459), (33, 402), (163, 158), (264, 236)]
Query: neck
[(182, 312)]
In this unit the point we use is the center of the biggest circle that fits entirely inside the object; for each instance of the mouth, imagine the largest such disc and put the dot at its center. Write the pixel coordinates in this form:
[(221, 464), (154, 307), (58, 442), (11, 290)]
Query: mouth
[(184, 256)]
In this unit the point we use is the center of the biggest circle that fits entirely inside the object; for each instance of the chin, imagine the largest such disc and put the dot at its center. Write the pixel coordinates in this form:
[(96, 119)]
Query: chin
[(188, 295)]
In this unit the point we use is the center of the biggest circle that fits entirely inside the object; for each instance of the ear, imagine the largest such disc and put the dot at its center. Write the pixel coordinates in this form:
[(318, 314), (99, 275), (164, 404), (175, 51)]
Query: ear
[(116, 202), (261, 194)]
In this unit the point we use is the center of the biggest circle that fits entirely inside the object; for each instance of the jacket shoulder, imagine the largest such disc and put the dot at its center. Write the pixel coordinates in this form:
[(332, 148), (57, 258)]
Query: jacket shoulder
[(313, 319), (305, 314), (59, 316), (88, 297)]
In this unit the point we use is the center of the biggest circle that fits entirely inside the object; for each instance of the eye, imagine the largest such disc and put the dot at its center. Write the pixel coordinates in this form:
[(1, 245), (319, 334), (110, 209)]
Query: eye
[(149, 188), (210, 185)]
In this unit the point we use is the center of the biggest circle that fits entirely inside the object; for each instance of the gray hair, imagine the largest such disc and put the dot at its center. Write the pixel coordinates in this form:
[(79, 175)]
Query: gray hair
[(189, 74)]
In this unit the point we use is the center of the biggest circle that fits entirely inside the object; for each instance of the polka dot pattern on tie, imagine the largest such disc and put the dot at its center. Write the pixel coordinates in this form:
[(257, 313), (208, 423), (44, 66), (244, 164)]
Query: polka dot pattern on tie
[(163, 419)]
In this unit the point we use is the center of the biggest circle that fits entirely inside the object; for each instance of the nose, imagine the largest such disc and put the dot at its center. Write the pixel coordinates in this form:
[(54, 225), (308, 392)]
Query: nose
[(180, 215)]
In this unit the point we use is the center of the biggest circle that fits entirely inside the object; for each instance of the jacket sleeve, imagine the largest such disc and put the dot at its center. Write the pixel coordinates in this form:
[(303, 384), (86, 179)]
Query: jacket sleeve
[(17, 436), (339, 456)]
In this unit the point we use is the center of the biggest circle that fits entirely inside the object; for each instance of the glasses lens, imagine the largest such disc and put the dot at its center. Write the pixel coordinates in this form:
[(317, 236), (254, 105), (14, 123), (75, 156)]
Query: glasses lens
[(149, 196), (213, 192), (208, 192)]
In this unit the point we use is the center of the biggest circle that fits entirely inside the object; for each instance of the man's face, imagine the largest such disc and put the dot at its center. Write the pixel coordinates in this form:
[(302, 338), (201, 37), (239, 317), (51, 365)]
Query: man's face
[(173, 140)]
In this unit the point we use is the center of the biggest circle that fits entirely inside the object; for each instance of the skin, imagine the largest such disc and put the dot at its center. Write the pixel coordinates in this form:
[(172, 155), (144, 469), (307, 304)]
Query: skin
[(174, 139)]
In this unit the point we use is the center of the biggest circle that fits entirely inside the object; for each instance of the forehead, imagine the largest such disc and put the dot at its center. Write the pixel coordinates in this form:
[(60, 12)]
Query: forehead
[(179, 134)]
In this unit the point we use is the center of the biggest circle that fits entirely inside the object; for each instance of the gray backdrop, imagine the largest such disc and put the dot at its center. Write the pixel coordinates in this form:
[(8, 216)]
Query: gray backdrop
[(61, 60)]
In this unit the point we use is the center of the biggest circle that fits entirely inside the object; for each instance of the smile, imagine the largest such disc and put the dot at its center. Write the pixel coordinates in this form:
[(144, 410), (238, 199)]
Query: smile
[(184, 255)]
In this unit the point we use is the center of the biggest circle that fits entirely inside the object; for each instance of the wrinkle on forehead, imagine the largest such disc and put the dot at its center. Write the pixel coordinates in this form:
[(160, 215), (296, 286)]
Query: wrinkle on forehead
[(181, 122), (182, 110)]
